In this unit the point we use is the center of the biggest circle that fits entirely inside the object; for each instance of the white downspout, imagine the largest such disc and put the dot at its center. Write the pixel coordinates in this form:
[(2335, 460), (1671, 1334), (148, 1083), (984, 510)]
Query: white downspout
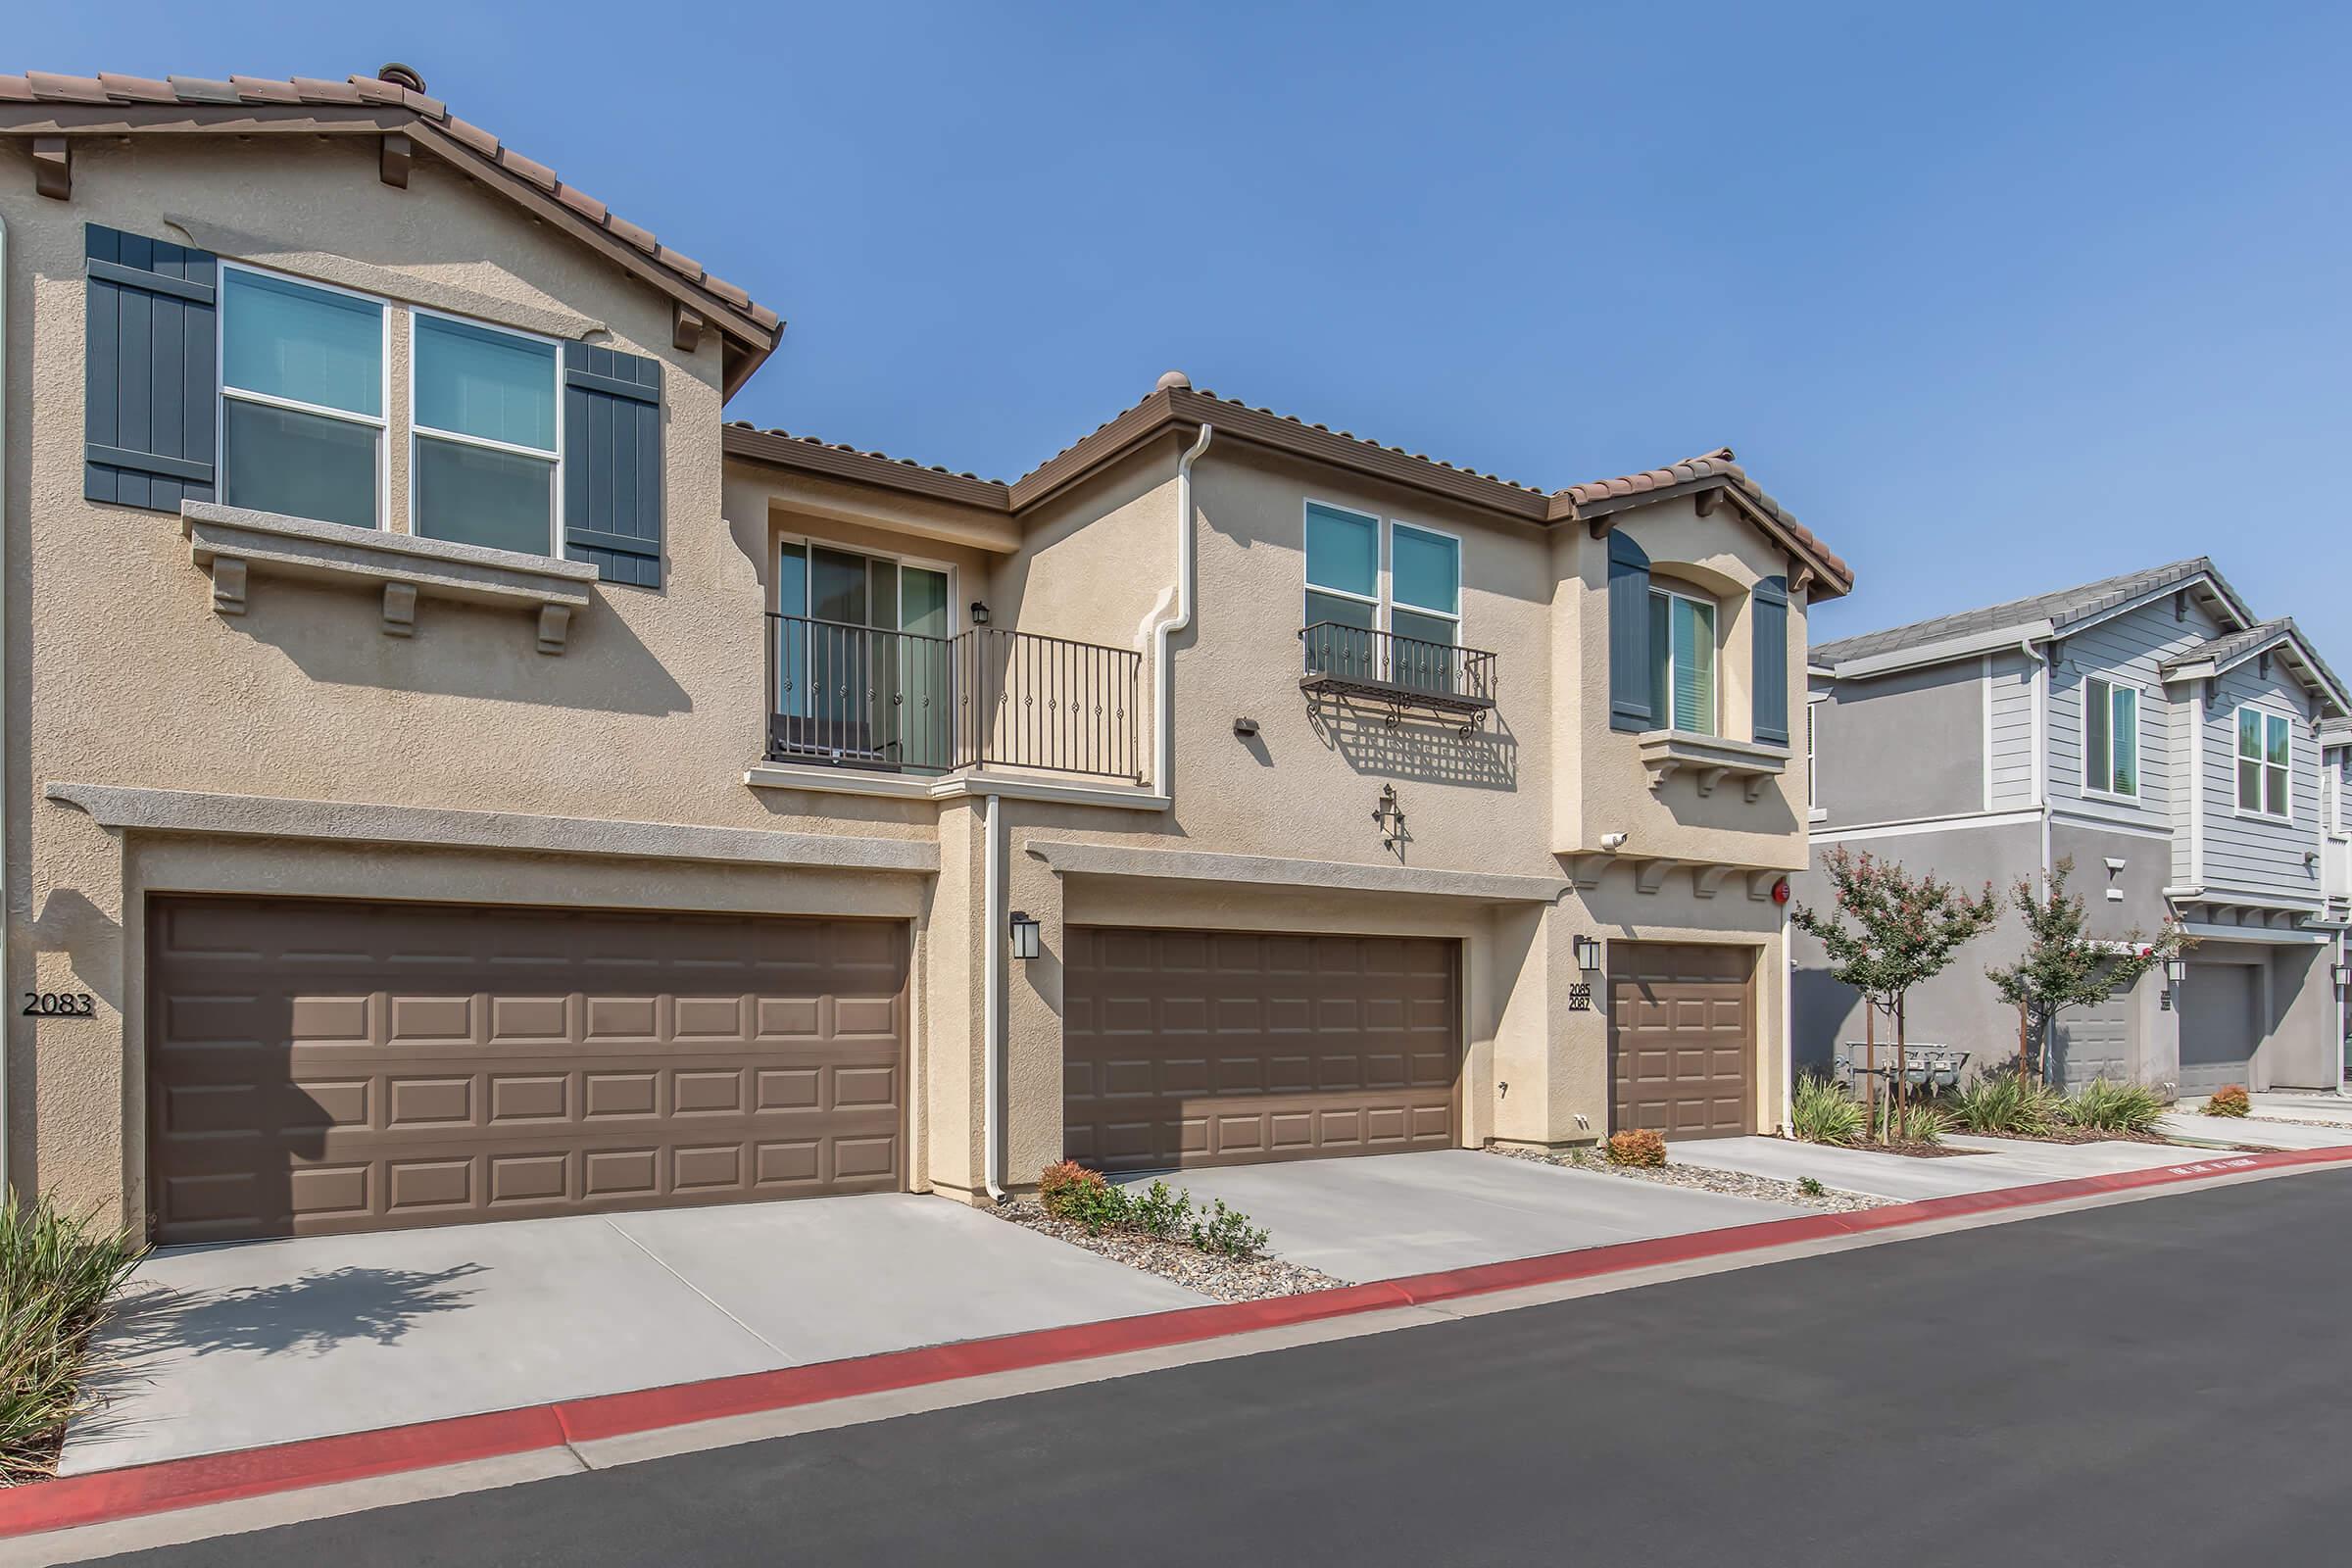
[(1164, 658), (992, 995), (2041, 749)]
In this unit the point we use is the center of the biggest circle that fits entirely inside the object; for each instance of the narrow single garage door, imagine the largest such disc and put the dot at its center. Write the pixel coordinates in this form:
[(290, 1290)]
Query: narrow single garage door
[(1683, 1038), (317, 1068), (1217, 1048), (2220, 1026)]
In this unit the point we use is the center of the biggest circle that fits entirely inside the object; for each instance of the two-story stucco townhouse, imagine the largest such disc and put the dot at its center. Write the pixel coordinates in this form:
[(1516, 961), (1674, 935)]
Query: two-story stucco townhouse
[(2149, 729), (451, 775)]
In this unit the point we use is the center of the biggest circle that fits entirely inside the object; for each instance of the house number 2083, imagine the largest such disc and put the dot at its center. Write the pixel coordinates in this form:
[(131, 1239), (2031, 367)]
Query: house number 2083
[(60, 1005)]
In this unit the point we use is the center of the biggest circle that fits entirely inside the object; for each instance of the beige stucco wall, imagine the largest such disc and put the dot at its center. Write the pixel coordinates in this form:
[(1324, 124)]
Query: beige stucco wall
[(1723, 558)]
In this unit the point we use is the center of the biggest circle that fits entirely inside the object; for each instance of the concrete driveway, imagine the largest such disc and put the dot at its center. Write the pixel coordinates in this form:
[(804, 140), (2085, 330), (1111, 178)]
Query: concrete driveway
[(227, 1347), (1996, 1162), (1396, 1214)]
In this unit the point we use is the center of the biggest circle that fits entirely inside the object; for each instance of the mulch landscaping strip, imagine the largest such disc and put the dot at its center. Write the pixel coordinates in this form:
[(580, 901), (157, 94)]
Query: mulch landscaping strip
[(174, 1483)]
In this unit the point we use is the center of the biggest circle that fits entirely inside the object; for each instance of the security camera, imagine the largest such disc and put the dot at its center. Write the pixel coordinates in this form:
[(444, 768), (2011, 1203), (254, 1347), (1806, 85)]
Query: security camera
[(1613, 842)]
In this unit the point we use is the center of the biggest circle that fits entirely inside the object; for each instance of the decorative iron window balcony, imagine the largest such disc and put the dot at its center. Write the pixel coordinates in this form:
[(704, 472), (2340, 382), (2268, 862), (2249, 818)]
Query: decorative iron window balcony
[(1398, 671), (868, 698)]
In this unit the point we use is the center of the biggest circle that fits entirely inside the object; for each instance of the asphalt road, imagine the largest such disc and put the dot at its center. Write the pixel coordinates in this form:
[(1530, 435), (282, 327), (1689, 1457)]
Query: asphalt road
[(2156, 1383)]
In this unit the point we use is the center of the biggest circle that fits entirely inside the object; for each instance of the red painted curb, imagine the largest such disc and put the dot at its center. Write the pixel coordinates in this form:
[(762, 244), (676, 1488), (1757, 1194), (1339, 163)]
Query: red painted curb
[(174, 1483)]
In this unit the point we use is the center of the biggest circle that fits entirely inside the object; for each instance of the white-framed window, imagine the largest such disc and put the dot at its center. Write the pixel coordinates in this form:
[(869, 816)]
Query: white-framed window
[(2265, 755), (1682, 661), (2110, 738), (1366, 575), (1342, 567), (485, 420), (304, 384), (1812, 759)]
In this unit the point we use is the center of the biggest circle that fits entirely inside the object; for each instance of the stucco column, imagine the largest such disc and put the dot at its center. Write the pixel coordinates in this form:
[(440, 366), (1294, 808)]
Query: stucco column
[(1551, 1063), (949, 1038), (1033, 1014), (73, 1103)]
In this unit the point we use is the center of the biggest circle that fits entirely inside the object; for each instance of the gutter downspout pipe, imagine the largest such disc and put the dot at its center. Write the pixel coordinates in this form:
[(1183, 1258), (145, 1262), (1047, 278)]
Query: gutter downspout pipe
[(2042, 748), (1164, 658), (992, 998)]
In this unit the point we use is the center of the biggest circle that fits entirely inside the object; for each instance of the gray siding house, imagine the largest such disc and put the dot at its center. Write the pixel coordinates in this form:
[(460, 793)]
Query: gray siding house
[(2188, 758)]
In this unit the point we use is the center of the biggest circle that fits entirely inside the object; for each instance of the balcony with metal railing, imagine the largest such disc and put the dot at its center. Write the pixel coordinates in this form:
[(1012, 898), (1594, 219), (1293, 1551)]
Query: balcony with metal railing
[(1398, 671), (865, 697)]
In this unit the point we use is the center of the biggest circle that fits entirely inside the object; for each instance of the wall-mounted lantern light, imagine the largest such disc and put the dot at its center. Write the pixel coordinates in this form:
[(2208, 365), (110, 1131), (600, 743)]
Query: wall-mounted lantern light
[(1588, 954), (2175, 970), (2341, 972), (979, 613), (1025, 934)]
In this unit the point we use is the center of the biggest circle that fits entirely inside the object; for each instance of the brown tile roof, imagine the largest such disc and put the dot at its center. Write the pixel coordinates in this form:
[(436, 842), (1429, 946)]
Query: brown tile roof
[(356, 103), (1174, 401)]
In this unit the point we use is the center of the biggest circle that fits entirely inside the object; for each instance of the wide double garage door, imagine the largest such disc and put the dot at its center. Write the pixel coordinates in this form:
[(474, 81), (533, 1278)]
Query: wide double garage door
[(1214, 1048), (319, 1066)]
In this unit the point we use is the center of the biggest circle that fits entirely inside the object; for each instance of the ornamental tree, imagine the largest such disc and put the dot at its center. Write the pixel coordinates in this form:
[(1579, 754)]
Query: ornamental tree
[(2062, 967), (1888, 931)]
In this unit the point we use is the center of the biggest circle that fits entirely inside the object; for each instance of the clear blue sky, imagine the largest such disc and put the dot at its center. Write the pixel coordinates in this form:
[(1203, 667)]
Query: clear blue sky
[(1994, 302)]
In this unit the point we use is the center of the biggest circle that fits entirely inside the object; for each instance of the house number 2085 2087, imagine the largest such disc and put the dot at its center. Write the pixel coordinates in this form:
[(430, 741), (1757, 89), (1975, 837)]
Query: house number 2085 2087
[(60, 1005)]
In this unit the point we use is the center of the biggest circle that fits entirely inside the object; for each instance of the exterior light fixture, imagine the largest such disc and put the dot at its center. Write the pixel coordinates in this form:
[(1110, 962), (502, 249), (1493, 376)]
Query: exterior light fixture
[(2341, 972), (2175, 970), (979, 613), (1025, 934), (1588, 954)]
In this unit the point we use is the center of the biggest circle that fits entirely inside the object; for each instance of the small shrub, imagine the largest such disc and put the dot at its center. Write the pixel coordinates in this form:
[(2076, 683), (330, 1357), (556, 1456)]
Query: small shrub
[(57, 1277), (1922, 1121), (1069, 1191), (2107, 1108), (2005, 1102), (1810, 1186), (2230, 1100), (1822, 1112), (1156, 1211), (1637, 1146), (1228, 1232)]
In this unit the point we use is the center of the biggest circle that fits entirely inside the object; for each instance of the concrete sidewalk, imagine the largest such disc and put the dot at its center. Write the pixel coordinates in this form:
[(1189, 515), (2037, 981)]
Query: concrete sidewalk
[(1398, 1214), (1993, 1164), (2255, 1131), (227, 1348)]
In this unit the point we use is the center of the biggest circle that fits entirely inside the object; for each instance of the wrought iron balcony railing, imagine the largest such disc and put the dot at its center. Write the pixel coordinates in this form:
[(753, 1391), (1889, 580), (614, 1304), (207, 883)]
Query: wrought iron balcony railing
[(899, 702), (1403, 670)]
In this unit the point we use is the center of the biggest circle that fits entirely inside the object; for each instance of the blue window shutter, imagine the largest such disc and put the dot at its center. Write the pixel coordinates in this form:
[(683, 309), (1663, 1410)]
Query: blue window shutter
[(613, 463), (151, 387), (1630, 700), (1770, 611)]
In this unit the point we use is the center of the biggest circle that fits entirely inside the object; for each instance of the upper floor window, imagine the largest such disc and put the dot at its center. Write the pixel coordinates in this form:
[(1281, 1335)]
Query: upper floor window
[(2110, 738), (304, 418), (1419, 596), (302, 387), (1682, 661), (484, 417), (2265, 745)]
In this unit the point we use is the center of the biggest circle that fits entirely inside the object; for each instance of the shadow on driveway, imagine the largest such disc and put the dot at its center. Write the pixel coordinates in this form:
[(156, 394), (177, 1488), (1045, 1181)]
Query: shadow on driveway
[(308, 1315)]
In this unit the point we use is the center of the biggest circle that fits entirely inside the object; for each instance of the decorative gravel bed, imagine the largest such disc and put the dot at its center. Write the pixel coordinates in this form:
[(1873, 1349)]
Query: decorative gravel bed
[(1228, 1279), (2317, 1119), (1735, 1184)]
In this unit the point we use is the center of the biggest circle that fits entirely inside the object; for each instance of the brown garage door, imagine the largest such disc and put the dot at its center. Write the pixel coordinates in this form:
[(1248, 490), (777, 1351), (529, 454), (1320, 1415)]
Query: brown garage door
[(1216, 1048), (1683, 1038), (318, 1067)]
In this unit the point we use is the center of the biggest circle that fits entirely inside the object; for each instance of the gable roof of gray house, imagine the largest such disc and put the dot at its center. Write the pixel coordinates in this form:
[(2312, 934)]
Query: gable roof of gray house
[(2224, 653), (2067, 607)]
